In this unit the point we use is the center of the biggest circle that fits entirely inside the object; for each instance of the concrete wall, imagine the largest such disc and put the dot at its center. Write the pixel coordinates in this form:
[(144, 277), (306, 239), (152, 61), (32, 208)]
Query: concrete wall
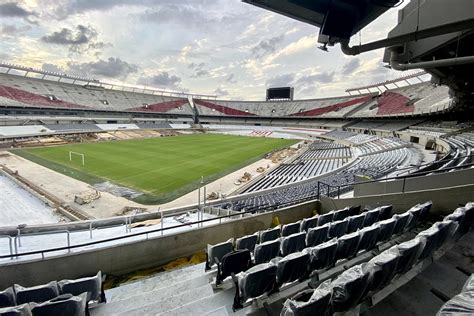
[(129, 257), (437, 181), (444, 200)]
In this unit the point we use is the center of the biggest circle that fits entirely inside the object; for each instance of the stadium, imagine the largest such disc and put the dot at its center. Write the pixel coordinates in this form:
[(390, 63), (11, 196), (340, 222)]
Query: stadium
[(125, 198)]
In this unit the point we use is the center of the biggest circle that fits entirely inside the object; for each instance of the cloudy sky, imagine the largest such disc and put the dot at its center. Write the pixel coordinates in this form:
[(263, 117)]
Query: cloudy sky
[(222, 47)]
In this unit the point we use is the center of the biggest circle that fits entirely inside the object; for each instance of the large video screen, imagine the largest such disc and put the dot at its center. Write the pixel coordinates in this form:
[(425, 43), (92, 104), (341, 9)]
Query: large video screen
[(281, 93)]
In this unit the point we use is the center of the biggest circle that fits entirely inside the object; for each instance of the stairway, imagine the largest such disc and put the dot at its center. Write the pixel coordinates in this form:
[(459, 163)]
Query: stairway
[(184, 291)]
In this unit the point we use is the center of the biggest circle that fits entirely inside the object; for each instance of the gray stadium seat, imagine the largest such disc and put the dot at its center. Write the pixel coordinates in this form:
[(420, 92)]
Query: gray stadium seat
[(270, 234), (322, 256), (218, 251), (415, 216), (292, 267), (338, 228), (308, 223), (246, 242), (347, 246), (385, 212), (255, 282), (349, 287), (383, 268), (371, 217), (91, 285), (19, 310), (408, 253), (63, 305), (386, 229), (37, 294), (341, 214), (317, 235), (402, 220), (290, 229), (431, 237), (325, 218), (368, 237), (266, 251), (292, 243), (233, 262), (7, 298), (309, 302), (355, 222)]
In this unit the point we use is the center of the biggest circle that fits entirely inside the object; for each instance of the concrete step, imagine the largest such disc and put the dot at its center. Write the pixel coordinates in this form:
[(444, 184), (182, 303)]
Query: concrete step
[(141, 297), (158, 281), (163, 305), (217, 304)]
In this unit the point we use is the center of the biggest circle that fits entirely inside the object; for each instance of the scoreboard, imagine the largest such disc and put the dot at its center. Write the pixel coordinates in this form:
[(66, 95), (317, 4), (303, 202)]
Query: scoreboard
[(281, 93)]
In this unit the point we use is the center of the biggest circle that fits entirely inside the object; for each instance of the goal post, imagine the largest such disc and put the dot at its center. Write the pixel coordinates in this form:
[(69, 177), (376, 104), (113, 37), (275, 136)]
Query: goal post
[(71, 153)]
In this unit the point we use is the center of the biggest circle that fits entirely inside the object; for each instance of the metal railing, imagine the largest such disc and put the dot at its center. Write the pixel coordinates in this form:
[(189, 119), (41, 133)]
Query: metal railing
[(69, 247)]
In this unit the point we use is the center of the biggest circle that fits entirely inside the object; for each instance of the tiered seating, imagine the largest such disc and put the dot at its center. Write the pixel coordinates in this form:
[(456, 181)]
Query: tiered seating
[(313, 162), (66, 297), (393, 103), (35, 99), (361, 281), (336, 245)]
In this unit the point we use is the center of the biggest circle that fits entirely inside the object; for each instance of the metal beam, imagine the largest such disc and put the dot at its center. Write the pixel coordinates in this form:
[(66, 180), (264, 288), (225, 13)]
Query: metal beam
[(413, 36)]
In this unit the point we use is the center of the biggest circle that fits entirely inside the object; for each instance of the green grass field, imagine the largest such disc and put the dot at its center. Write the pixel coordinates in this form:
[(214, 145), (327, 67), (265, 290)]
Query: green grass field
[(162, 168)]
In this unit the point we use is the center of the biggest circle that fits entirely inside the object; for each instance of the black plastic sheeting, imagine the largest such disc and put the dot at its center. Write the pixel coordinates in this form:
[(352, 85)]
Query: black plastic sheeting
[(355, 222), (371, 217), (317, 235), (38, 294), (347, 246), (256, 281), (368, 237), (62, 305), (290, 229), (246, 242), (386, 229), (408, 253), (292, 267), (325, 218), (322, 256), (338, 228), (292, 243), (308, 223), (382, 268), (266, 251), (270, 234), (349, 287)]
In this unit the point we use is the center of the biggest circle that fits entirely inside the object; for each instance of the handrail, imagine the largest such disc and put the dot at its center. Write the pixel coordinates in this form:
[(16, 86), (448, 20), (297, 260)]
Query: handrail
[(69, 247), (67, 232), (393, 178), (10, 243)]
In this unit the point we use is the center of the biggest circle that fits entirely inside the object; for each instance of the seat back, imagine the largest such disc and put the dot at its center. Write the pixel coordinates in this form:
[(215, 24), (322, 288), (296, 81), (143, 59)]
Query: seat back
[(317, 235), (347, 246), (368, 237), (63, 305), (409, 252), (325, 218), (382, 268), (218, 251), (234, 262), (354, 210), (7, 298), (322, 256), (91, 285), (385, 212), (355, 222), (402, 220), (292, 267), (37, 294), (292, 243), (371, 217), (309, 302), (341, 214), (290, 229), (415, 213), (338, 228), (270, 234), (257, 281), (349, 287), (246, 242), (18, 310), (386, 229), (266, 251), (431, 238), (308, 223)]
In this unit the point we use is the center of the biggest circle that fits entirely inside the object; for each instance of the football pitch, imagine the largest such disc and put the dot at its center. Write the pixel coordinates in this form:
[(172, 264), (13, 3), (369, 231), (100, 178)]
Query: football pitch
[(162, 168)]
